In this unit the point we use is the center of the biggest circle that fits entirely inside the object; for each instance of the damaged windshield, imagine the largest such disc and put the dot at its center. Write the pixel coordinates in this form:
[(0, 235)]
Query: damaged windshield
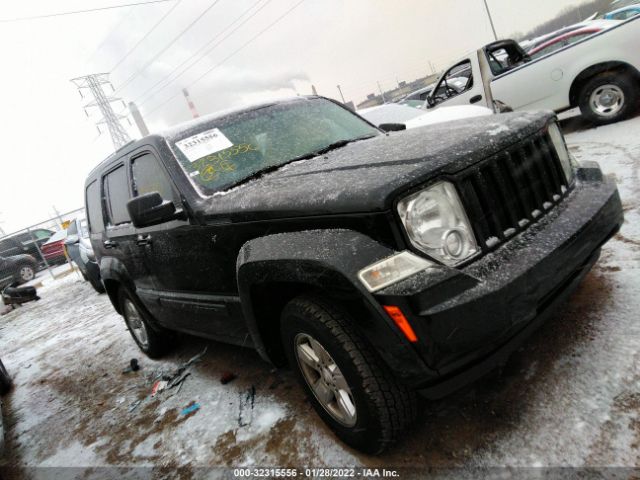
[(229, 150)]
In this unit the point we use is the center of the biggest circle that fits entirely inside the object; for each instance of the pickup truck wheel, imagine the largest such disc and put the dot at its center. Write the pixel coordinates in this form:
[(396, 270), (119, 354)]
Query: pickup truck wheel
[(348, 385), (153, 342), (5, 380), (608, 97)]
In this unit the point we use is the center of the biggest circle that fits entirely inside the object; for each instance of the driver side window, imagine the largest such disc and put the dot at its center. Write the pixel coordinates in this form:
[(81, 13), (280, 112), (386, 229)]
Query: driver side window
[(458, 79)]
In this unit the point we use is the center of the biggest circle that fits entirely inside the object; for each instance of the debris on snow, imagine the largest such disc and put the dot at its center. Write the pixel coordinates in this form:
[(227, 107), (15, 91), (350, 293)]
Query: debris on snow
[(191, 408)]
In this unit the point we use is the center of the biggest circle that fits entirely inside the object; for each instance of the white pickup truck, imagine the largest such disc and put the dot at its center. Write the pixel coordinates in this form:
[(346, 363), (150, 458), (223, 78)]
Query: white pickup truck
[(600, 74)]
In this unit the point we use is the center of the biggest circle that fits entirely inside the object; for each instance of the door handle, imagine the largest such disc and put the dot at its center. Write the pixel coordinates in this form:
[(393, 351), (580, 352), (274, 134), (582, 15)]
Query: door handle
[(143, 240), (475, 99), (109, 244)]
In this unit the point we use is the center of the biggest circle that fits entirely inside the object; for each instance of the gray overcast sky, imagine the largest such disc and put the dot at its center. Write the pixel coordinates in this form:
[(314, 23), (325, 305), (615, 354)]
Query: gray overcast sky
[(50, 145)]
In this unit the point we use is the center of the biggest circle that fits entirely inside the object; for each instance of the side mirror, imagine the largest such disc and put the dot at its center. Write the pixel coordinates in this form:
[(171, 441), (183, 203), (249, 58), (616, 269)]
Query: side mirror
[(392, 127), (150, 209), (72, 240)]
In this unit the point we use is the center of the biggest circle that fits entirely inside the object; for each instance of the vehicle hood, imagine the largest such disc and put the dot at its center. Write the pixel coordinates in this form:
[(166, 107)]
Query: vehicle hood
[(367, 176), (20, 258)]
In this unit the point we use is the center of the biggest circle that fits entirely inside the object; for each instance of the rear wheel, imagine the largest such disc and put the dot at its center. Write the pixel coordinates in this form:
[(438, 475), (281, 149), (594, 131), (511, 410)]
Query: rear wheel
[(348, 384), (5, 380), (608, 98), (152, 341)]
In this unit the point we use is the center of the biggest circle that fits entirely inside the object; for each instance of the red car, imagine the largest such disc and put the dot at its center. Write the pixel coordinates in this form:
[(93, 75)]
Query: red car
[(53, 250), (556, 43)]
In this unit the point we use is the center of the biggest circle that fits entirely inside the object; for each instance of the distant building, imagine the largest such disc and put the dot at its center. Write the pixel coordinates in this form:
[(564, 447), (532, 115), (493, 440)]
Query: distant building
[(393, 95)]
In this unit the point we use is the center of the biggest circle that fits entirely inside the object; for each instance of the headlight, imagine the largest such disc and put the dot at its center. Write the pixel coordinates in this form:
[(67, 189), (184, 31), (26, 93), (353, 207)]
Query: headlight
[(561, 149), (437, 223)]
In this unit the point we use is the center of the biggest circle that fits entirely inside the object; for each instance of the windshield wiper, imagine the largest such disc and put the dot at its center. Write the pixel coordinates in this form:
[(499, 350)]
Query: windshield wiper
[(330, 147)]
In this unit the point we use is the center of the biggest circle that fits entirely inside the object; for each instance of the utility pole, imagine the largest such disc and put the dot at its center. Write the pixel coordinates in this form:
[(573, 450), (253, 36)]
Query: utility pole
[(192, 107), (2, 232), (493, 29), (137, 117), (341, 95), (57, 214), (384, 100), (95, 83)]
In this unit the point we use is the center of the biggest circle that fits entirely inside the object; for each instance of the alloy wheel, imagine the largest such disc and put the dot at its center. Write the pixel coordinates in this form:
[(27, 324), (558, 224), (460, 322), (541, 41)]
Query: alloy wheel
[(136, 324), (325, 379)]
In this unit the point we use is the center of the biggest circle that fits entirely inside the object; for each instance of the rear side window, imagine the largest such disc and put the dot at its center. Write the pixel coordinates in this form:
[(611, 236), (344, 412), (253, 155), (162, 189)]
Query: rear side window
[(149, 176), (94, 208), (116, 191)]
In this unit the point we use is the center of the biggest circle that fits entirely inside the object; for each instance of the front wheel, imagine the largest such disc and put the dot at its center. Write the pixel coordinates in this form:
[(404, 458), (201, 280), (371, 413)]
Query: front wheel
[(153, 342), (608, 98), (348, 385)]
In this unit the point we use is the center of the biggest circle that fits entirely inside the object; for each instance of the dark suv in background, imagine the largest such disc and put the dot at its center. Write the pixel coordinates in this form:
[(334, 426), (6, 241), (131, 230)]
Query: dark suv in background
[(25, 243), (376, 265)]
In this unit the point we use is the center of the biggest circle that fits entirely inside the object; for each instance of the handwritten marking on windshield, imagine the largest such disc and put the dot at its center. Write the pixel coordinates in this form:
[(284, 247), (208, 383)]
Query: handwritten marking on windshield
[(212, 165)]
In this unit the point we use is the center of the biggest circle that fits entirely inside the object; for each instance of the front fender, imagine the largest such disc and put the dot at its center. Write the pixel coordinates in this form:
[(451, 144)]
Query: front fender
[(328, 261)]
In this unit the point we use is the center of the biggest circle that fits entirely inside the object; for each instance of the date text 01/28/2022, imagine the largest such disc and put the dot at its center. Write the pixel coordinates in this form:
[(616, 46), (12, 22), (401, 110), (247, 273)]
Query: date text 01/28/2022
[(315, 472)]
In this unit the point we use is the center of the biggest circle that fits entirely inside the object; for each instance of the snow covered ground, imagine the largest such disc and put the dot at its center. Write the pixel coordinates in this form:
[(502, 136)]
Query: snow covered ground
[(569, 397)]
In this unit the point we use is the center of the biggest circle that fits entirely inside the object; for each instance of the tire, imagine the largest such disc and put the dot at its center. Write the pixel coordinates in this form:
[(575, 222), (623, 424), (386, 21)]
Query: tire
[(153, 341), (608, 97), (5, 380), (96, 283), (376, 408), (25, 272)]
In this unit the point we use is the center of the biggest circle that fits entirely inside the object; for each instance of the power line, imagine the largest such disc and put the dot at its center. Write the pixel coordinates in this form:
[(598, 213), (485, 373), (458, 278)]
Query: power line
[(174, 40), (209, 50), (108, 36), (146, 35), (251, 40), (74, 12)]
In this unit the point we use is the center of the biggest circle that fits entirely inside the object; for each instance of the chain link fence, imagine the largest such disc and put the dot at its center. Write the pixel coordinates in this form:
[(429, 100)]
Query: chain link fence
[(38, 251)]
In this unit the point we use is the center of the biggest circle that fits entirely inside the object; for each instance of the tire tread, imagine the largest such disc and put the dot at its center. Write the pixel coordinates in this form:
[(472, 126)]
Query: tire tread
[(395, 404)]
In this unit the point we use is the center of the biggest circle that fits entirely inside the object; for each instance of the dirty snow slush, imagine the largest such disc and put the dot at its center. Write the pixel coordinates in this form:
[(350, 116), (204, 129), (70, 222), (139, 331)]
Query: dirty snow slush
[(569, 397)]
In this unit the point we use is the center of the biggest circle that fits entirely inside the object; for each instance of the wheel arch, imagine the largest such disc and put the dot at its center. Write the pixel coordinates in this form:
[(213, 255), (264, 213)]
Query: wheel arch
[(590, 72), (273, 270), (114, 275)]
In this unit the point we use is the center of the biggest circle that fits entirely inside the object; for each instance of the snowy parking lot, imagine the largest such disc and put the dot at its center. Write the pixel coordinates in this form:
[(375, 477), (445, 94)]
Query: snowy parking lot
[(569, 397)]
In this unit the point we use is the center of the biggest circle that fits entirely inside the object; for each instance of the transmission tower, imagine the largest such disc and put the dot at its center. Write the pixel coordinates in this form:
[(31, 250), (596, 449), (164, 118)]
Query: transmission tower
[(95, 83)]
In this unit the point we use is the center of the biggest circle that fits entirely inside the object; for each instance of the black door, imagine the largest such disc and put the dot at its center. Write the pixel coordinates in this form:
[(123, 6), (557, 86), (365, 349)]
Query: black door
[(117, 246), (181, 257)]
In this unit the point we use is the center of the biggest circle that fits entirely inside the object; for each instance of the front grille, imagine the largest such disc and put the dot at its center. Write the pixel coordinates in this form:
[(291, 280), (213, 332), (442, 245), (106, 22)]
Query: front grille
[(511, 190)]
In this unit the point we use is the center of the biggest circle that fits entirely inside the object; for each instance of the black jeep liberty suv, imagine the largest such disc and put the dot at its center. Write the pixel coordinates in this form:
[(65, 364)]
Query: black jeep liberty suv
[(377, 265)]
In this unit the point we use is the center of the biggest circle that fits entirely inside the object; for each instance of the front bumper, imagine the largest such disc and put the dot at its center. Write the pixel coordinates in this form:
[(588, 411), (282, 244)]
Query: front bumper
[(468, 321)]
